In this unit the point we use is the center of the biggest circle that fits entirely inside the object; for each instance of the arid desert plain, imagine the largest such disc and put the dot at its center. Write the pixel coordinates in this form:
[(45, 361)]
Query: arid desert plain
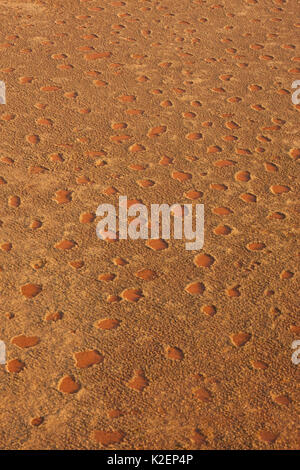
[(143, 344)]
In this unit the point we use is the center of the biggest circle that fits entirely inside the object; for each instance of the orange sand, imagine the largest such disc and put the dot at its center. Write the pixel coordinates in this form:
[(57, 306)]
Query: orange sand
[(142, 344)]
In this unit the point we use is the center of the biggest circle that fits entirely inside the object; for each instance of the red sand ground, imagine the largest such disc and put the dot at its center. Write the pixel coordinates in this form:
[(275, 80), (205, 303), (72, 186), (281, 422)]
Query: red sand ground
[(163, 101)]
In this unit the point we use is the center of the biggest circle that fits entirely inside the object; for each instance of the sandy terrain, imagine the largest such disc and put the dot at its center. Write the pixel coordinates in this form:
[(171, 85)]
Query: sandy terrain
[(120, 345)]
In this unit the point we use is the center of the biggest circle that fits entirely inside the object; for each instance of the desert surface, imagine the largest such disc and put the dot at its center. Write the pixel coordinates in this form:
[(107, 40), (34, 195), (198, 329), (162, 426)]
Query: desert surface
[(142, 344)]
